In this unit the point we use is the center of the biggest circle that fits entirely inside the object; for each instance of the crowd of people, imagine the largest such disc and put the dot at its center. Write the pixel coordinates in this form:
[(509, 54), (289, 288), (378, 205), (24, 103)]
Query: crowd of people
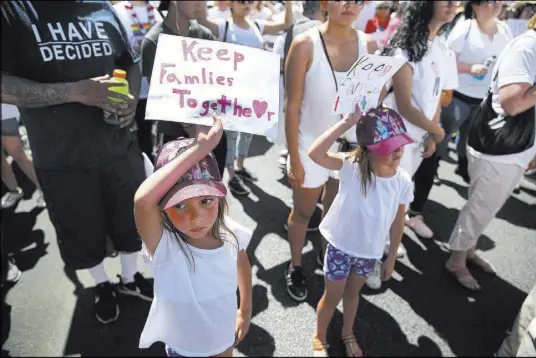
[(467, 77)]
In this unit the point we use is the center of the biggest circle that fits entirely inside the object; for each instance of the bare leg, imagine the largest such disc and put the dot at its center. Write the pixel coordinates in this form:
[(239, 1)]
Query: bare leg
[(228, 353), (240, 163), (350, 302), (328, 195), (8, 177), (13, 146), (333, 293), (304, 204)]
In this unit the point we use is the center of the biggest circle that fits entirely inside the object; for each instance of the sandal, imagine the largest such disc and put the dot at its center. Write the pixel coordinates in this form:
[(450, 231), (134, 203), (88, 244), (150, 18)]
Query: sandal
[(464, 279), (320, 349), (352, 348), (481, 264)]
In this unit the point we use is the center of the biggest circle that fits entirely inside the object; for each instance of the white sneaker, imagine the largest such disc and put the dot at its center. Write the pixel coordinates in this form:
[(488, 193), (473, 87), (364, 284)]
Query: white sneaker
[(374, 281), (400, 252), (417, 224), (283, 152), (13, 272), (40, 201), (11, 198)]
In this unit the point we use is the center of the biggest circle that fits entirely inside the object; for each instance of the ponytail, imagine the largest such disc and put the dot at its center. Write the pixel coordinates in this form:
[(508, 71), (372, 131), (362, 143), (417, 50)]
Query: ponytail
[(468, 12), (362, 156)]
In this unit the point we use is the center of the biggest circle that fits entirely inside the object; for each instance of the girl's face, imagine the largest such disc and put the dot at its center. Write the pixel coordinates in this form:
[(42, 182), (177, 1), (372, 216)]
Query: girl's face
[(391, 160), (488, 9), (444, 11), (195, 217), (242, 8), (343, 12)]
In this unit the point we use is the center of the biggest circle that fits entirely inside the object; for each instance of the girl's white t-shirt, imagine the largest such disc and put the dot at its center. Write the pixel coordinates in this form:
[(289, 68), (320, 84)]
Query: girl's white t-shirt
[(195, 304), (251, 37), (434, 73), (473, 46), (358, 225)]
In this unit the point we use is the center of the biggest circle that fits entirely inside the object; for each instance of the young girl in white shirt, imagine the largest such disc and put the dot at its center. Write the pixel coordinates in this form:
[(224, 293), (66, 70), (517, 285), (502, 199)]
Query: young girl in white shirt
[(370, 204), (197, 254)]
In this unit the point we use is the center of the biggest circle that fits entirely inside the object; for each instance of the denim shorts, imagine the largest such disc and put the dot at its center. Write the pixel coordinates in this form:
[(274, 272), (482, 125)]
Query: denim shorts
[(337, 265)]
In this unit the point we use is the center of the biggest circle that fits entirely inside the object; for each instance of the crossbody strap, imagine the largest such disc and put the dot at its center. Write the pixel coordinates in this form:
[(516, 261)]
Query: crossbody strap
[(329, 61), (225, 32)]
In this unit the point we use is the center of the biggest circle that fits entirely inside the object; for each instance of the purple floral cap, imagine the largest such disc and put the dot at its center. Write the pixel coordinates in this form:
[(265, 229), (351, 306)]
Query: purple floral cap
[(202, 179), (382, 131)]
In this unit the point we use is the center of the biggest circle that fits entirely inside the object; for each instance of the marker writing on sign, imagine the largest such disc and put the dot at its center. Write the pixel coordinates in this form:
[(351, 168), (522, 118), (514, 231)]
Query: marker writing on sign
[(206, 77), (259, 108), (379, 69), (189, 51)]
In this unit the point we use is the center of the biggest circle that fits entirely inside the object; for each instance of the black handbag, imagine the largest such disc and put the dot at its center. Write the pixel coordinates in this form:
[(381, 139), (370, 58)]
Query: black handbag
[(493, 134)]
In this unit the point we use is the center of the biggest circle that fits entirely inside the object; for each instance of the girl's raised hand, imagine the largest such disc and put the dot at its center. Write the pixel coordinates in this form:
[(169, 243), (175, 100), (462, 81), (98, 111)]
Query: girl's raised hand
[(209, 137), (352, 118)]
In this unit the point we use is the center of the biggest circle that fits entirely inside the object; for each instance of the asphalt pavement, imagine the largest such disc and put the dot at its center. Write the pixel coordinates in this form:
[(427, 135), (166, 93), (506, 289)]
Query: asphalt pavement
[(421, 311)]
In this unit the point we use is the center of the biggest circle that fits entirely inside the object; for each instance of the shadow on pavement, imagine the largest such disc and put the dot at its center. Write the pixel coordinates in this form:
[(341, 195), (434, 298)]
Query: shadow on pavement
[(259, 146), (90, 338)]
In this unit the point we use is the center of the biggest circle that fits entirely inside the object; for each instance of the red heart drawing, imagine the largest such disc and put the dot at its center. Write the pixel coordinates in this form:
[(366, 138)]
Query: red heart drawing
[(260, 108)]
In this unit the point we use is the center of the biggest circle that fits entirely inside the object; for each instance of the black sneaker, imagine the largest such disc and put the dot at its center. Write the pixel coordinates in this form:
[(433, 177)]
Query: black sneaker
[(296, 283), (106, 307), (236, 187), (140, 287), (461, 169), (320, 258), (245, 175)]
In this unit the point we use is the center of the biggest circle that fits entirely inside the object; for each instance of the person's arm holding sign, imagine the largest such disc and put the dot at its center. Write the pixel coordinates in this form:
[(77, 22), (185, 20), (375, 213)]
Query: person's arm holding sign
[(296, 66), (273, 27), (402, 84)]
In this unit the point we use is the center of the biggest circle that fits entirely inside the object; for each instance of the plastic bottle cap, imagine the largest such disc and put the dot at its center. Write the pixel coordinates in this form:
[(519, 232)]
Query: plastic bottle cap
[(120, 74)]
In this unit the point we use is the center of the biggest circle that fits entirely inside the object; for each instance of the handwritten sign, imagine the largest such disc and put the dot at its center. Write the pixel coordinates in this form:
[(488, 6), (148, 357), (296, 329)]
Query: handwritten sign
[(518, 26), (193, 78), (363, 83)]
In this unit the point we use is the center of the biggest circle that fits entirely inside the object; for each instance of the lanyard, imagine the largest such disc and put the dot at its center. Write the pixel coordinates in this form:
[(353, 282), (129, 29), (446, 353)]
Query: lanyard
[(137, 27), (330, 65)]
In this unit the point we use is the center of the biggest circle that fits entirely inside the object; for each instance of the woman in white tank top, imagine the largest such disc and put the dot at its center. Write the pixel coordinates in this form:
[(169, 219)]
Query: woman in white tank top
[(315, 61)]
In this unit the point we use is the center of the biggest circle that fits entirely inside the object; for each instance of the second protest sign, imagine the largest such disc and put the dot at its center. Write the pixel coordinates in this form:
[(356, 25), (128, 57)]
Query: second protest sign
[(193, 78)]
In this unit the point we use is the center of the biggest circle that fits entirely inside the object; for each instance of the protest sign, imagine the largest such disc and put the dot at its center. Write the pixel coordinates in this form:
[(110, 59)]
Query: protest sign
[(518, 26), (363, 83), (193, 78)]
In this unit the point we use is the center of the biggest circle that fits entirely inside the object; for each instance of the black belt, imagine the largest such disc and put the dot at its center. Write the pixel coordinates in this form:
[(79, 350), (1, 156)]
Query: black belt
[(472, 101)]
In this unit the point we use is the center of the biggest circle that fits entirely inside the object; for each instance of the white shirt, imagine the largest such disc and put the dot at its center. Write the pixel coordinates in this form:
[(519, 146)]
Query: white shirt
[(434, 73), (358, 225), (216, 13), (195, 304), (251, 37), (9, 111), (517, 64), (264, 14), (367, 13), (476, 49), (136, 40)]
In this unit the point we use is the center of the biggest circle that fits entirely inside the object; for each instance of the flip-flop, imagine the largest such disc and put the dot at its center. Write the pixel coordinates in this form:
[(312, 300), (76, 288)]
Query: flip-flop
[(320, 349), (482, 264), (350, 343), (465, 279)]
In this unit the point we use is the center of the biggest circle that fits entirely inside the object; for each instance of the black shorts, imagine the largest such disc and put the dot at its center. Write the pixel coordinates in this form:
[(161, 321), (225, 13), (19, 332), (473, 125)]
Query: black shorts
[(87, 205)]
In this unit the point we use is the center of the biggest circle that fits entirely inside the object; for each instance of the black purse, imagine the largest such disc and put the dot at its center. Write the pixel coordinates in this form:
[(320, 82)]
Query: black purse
[(493, 134)]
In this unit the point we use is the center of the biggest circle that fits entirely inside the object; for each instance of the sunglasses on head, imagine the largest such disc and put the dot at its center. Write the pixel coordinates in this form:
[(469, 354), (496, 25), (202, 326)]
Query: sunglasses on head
[(356, 2)]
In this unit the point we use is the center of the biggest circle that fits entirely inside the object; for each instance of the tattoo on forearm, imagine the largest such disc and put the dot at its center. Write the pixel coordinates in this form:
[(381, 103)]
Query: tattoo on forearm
[(25, 93)]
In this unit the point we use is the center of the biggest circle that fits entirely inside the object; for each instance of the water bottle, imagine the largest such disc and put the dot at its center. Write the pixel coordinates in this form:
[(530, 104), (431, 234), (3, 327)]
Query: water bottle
[(118, 76), (490, 61)]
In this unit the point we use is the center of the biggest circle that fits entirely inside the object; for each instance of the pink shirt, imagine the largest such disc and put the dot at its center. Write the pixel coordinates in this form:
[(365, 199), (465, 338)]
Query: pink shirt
[(391, 28)]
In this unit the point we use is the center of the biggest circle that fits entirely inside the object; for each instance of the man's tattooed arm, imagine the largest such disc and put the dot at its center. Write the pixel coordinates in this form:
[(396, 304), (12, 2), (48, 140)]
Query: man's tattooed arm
[(25, 93)]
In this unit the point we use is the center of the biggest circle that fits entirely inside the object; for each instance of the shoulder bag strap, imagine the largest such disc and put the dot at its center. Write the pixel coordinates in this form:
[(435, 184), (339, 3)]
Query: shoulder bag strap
[(225, 32)]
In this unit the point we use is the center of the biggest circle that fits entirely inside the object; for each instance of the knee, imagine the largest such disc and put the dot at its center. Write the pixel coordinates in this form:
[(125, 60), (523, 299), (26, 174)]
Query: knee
[(18, 154), (300, 215)]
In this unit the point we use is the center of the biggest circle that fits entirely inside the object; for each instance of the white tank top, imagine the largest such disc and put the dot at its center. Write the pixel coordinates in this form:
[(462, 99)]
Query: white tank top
[(319, 92)]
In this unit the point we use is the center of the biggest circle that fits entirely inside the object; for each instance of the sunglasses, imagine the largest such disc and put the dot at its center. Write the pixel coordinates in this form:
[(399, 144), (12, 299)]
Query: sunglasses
[(249, 2), (356, 2)]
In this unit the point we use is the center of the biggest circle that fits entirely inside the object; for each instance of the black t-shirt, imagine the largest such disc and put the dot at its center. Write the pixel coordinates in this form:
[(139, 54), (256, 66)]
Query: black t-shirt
[(59, 42), (148, 51)]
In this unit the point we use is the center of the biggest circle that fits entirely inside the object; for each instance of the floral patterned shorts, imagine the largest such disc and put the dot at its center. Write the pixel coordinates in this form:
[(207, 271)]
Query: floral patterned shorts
[(337, 265)]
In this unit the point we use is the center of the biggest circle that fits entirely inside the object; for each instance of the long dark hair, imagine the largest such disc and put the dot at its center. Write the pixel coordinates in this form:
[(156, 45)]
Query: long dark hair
[(412, 34), (218, 230), (361, 156)]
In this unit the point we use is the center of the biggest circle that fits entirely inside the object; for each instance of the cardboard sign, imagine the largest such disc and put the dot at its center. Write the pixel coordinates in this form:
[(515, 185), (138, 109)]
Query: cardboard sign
[(363, 83), (193, 78), (518, 26)]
